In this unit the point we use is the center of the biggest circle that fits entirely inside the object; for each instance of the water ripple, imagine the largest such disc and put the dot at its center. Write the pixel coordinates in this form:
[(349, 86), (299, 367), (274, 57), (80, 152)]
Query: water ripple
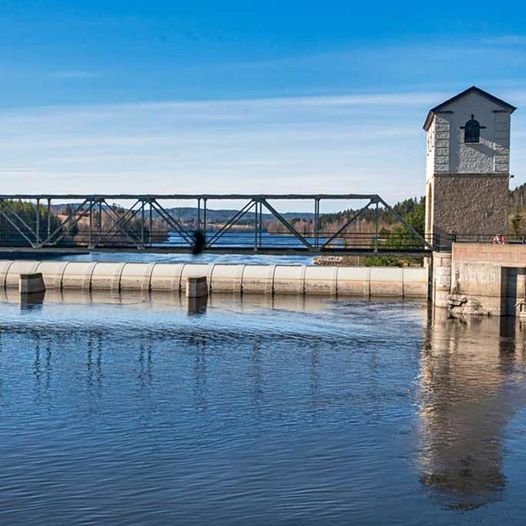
[(132, 411)]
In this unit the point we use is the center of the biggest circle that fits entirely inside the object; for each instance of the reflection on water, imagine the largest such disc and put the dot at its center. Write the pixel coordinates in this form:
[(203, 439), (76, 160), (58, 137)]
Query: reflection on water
[(132, 409), (471, 379), (170, 301), (31, 301), (197, 305)]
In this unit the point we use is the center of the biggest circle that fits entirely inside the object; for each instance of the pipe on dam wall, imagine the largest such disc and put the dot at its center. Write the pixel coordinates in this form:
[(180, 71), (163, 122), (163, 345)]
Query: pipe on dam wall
[(230, 278)]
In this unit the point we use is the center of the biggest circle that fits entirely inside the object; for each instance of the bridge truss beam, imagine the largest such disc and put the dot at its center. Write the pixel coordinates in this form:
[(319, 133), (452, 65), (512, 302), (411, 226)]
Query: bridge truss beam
[(156, 223)]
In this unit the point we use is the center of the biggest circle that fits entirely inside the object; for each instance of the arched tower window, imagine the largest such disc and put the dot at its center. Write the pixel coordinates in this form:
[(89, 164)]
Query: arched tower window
[(472, 130)]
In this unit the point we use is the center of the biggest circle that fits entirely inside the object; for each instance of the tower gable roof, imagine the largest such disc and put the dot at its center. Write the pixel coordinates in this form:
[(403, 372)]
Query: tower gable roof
[(473, 89)]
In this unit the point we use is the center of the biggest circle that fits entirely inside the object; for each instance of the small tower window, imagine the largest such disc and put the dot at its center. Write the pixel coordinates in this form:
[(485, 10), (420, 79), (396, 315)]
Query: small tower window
[(472, 130)]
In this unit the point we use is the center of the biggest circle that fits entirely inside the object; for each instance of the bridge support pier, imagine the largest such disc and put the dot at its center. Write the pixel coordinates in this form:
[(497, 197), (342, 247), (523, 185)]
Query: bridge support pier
[(31, 283), (196, 287), (441, 285)]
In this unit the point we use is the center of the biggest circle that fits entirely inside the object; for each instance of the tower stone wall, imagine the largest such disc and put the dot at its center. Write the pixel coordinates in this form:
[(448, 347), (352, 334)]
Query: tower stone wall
[(470, 205)]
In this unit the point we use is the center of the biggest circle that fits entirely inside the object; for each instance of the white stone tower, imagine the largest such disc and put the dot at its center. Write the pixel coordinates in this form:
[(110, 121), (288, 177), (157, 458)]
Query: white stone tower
[(468, 153)]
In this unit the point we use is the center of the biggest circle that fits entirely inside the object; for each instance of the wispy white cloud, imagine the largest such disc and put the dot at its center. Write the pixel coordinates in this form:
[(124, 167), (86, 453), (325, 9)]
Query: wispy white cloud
[(434, 61), (359, 142), (507, 40), (73, 74)]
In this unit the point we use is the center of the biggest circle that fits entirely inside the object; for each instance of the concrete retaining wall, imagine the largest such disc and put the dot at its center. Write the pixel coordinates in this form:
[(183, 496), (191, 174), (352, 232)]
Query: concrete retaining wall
[(492, 275), (481, 282), (241, 279), (510, 255)]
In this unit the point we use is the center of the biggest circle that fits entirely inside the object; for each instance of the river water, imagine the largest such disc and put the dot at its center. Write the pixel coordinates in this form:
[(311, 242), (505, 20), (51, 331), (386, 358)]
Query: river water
[(229, 239), (138, 257), (149, 410)]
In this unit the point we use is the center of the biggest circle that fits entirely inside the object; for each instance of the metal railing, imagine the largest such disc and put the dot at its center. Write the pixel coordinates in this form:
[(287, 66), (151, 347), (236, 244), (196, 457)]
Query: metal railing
[(444, 242)]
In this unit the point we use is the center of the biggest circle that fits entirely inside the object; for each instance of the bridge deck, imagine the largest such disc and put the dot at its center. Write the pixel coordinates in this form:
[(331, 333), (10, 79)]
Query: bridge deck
[(270, 251)]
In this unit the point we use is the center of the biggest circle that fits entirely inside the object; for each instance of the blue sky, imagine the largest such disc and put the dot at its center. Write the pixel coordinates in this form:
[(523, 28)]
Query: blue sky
[(106, 96)]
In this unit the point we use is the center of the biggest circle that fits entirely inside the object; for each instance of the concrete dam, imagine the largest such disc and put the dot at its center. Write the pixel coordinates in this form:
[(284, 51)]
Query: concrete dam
[(368, 282)]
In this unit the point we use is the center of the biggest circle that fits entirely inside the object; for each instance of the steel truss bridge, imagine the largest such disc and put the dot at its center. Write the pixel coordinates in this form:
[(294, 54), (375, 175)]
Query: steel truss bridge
[(155, 223)]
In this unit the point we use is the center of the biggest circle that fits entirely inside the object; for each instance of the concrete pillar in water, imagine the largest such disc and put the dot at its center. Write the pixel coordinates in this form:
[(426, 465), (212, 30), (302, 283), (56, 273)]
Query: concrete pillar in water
[(441, 278), (31, 283), (196, 287)]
